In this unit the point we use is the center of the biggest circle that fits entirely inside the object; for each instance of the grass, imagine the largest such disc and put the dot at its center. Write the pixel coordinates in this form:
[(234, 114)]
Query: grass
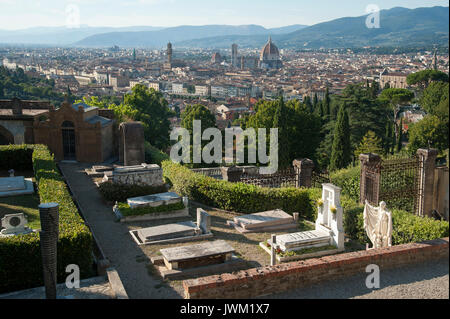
[(27, 204)]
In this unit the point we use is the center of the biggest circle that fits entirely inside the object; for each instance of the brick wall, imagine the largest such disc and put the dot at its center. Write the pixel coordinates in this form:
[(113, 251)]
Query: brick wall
[(268, 280)]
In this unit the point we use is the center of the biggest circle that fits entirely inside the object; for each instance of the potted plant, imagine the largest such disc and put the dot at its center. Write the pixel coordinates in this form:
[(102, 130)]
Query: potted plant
[(333, 210)]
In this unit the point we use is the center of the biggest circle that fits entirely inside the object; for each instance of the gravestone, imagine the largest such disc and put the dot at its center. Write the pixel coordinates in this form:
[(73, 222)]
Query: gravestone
[(329, 221), (15, 186), (14, 224), (183, 231), (131, 143), (329, 226), (203, 221), (143, 175), (199, 255), (265, 221), (154, 200)]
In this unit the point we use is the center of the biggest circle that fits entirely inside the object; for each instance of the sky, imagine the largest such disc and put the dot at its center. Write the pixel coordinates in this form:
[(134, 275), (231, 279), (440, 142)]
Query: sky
[(21, 14)]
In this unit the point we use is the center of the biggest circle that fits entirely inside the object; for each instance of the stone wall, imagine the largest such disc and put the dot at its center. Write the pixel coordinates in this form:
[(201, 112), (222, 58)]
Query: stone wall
[(273, 279)]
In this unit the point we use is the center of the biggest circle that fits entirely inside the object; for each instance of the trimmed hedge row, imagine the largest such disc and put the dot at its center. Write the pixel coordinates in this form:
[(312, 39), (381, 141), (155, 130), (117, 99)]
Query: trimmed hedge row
[(126, 210), (239, 197), (120, 192), (407, 228), (20, 256)]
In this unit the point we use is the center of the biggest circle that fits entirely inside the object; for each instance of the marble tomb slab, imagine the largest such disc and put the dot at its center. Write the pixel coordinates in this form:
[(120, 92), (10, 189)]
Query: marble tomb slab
[(154, 200), (193, 256), (302, 240), (15, 186), (170, 231), (269, 218)]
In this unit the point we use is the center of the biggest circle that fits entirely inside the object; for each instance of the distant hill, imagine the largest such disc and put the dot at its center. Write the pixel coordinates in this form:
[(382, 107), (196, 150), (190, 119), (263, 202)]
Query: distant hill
[(398, 27), (60, 35), (175, 34), (288, 29)]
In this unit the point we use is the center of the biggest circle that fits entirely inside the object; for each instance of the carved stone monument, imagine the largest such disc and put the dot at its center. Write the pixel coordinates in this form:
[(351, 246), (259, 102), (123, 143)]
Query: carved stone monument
[(131, 143), (143, 175), (378, 225)]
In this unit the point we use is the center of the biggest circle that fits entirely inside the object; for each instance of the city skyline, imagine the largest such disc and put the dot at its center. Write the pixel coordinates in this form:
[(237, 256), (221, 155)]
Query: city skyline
[(23, 14)]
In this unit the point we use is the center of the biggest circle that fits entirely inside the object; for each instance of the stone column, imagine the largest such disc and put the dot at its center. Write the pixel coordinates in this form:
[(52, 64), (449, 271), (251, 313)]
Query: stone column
[(231, 174), (369, 184), (49, 215), (303, 170), (427, 164)]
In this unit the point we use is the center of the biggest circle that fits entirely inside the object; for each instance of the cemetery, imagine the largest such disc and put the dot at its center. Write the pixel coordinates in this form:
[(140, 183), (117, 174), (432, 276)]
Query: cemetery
[(190, 226)]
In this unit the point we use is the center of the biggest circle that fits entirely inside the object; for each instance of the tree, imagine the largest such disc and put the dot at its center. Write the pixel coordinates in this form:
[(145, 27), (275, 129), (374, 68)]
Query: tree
[(153, 112), (396, 98), (434, 99), (429, 132), (369, 144), (423, 78), (341, 152), (400, 137), (197, 112)]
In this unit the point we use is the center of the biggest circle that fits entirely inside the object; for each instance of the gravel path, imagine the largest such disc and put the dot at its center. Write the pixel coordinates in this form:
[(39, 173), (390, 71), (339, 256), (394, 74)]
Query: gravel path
[(421, 281), (92, 288)]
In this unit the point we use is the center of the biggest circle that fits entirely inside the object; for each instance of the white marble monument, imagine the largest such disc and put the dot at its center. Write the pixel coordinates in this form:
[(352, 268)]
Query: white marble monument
[(378, 225)]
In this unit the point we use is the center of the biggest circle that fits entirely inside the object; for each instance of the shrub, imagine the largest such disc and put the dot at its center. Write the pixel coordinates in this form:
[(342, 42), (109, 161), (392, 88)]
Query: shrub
[(20, 256), (154, 155), (407, 228), (120, 193), (239, 197), (348, 180), (126, 210)]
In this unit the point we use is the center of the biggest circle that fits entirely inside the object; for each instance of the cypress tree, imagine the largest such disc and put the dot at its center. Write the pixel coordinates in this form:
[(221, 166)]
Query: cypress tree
[(280, 122), (400, 136), (341, 150)]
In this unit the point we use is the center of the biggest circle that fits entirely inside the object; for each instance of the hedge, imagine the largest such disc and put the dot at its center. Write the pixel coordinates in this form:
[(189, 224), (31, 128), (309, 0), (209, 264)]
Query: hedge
[(348, 179), (126, 210), (239, 197), (20, 256), (17, 157), (154, 155), (120, 192), (406, 227)]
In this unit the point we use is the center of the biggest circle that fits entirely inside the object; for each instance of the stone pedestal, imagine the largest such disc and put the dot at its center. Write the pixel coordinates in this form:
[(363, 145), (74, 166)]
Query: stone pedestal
[(370, 178), (231, 174), (303, 169), (427, 159)]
